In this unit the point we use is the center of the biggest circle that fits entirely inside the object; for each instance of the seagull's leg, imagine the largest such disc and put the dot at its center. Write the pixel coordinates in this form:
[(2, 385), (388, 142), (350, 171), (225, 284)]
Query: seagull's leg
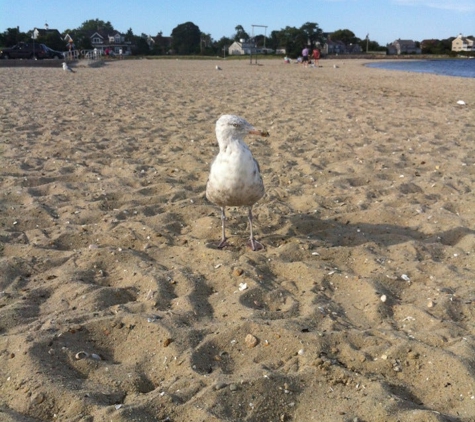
[(222, 244), (253, 243)]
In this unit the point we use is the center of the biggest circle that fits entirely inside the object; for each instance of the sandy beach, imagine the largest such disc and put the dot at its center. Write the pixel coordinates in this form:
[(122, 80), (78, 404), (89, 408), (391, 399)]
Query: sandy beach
[(116, 305)]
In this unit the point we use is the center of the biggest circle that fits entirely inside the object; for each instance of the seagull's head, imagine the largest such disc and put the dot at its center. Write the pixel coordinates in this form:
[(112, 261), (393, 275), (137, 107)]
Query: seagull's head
[(230, 126)]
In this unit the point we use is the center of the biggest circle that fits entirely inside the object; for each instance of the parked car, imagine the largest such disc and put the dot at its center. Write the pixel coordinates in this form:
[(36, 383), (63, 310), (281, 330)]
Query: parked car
[(25, 51), (53, 54)]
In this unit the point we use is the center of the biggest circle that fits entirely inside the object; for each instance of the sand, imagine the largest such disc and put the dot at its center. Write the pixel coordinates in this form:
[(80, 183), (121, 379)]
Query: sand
[(115, 304)]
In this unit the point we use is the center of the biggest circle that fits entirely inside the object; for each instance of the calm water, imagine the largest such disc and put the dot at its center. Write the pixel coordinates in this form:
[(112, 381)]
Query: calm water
[(462, 67)]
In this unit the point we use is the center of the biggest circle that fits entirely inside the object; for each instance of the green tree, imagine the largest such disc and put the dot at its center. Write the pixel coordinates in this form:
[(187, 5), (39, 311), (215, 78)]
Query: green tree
[(186, 38), (80, 37), (240, 33), (260, 40), (206, 44), (437, 46), (345, 36), (96, 25), (141, 46), (161, 45), (372, 45), (222, 44), (52, 40), (313, 32), (291, 38), (446, 46), (12, 36)]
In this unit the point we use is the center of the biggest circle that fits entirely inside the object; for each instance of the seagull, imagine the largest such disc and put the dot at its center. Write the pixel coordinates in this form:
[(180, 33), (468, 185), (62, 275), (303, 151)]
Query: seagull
[(67, 68), (218, 68), (234, 178)]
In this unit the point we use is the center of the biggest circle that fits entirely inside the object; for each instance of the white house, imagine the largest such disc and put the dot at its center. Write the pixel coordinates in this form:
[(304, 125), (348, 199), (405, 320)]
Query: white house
[(102, 41), (241, 48), (462, 43)]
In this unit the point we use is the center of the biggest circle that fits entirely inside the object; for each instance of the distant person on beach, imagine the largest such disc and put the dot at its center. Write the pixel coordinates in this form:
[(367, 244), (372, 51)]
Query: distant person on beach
[(305, 56), (316, 56)]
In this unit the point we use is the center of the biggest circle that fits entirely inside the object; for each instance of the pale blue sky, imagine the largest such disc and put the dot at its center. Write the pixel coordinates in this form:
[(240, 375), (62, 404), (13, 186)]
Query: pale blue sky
[(384, 20)]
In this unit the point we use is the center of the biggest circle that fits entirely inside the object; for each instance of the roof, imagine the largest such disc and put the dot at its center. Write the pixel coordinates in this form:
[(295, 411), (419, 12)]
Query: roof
[(44, 32), (103, 34), (244, 44), (404, 41)]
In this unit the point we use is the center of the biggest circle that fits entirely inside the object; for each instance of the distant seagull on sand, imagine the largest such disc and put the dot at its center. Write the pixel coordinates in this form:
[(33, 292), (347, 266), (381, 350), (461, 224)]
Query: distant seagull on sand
[(66, 68), (218, 68), (234, 178)]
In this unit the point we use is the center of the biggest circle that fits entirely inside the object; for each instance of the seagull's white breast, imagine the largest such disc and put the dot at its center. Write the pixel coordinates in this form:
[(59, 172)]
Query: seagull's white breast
[(234, 178)]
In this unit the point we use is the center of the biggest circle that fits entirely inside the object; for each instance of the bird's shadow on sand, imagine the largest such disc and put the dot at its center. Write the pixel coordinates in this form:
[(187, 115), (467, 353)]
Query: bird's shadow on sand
[(348, 234), (334, 233)]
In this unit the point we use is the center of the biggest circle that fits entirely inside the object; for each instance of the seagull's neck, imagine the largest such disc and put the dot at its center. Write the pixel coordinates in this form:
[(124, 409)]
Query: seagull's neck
[(230, 143)]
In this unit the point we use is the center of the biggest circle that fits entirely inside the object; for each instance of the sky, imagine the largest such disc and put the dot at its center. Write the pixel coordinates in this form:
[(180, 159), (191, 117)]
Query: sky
[(384, 20)]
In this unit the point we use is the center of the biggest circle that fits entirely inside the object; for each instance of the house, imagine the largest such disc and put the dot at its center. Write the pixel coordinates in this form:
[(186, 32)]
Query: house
[(334, 47), (46, 32), (102, 41), (339, 47), (462, 43), (264, 50), (110, 42), (51, 37), (354, 49), (241, 48), (160, 43), (403, 47)]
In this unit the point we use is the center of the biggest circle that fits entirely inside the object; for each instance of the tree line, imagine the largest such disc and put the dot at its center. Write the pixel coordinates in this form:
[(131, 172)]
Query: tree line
[(188, 39)]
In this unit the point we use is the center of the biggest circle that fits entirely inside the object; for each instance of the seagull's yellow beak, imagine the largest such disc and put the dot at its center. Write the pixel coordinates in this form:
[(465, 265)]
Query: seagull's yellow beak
[(257, 132)]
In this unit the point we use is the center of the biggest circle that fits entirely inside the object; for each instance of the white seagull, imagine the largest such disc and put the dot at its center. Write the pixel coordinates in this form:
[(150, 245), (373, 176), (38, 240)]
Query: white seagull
[(234, 178), (67, 68)]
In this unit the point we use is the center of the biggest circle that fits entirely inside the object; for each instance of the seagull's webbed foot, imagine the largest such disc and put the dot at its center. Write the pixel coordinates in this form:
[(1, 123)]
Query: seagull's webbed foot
[(255, 245), (223, 243)]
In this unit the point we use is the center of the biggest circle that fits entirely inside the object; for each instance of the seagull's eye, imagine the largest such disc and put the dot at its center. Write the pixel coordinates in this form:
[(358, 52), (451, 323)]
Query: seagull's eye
[(235, 124)]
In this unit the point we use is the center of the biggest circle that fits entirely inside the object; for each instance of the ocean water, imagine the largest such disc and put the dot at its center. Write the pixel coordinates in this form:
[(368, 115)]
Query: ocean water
[(451, 67)]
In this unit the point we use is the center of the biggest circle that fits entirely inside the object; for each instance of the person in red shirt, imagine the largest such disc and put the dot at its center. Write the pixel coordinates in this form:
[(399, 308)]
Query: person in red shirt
[(316, 56)]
